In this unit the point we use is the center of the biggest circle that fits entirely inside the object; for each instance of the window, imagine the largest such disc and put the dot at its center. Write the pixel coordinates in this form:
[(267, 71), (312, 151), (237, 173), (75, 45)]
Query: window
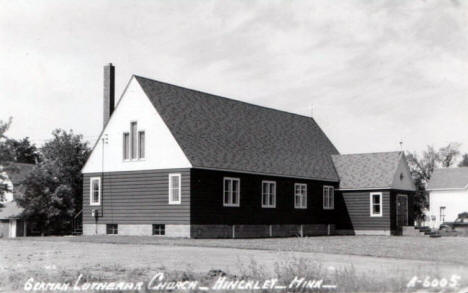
[(141, 144), (328, 197), (268, 194), (442, 214), (134, 143), (300, 196), (231, 196), (95, 191), (112, 229), (174, 188), (159, 229), (376, 204), (133, 133), (126, 146)]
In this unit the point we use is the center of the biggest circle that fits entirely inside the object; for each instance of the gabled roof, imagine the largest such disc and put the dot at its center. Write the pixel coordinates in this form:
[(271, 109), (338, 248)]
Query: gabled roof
[(449, 178), (367, 171), (10, 210), (220, 133)]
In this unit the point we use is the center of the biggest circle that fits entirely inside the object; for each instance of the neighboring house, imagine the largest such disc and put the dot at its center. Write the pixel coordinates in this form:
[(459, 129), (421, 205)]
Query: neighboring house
[(179, 162), (11, 223), (377, 190), (448, 195)]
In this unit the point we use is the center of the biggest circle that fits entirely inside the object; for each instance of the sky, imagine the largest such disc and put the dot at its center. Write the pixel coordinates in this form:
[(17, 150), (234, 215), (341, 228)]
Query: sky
[(371, 73)]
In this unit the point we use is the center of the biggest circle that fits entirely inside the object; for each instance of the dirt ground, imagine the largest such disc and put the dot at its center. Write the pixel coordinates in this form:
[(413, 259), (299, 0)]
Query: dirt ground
[(26, 255), (445, 249)]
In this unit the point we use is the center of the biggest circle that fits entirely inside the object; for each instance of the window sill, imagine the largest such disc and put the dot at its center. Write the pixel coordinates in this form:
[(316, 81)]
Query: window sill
[(133, 160)]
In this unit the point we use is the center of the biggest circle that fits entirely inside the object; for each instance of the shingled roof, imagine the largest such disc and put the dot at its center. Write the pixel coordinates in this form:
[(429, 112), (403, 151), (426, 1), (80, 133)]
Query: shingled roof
[(220, 133), (367, 171), (449, 178)]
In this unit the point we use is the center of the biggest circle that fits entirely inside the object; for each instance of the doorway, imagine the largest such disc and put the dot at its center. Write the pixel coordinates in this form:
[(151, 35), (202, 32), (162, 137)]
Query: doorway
[(402, 210)]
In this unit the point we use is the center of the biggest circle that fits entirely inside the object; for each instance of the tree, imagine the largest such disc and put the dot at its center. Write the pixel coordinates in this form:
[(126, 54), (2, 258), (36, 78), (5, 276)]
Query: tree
[(20, 151), (53, 190), (4, 157), (421, 168), (464, 161), (449, 154)]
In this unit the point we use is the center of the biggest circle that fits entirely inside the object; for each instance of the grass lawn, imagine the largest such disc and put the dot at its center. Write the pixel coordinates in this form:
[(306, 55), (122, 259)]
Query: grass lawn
[(445, 249)]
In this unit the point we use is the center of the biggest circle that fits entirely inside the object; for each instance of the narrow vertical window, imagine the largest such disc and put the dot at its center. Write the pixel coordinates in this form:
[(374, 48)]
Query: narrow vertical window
[(133, 134), (231, 192), (174, 189), (300, 196), (376, 204), (268, 194), (141, 144), (95, 191), (126, 146), (328, 197)]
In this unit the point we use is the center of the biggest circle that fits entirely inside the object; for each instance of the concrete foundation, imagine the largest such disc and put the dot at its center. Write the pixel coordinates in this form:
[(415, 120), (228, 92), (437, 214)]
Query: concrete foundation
[(218, 231), (260, 231), (178, 231), (94, 229), (137, 230), (373, 232)]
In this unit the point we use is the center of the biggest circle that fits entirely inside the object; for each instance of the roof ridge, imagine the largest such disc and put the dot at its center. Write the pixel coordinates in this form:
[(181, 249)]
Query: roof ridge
[(222, 97), (371, 153)]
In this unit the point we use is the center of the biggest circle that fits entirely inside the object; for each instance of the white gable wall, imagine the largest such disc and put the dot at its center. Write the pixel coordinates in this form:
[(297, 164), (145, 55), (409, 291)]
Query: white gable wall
[(455, 202), (161, 149), (407, 182)]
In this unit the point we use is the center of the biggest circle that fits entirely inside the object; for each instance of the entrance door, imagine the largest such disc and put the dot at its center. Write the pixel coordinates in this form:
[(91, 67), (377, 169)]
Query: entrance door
[(402, 210)]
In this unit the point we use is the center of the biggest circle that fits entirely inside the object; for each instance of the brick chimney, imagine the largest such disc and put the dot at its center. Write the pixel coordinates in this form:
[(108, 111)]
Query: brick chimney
[(109, 92)]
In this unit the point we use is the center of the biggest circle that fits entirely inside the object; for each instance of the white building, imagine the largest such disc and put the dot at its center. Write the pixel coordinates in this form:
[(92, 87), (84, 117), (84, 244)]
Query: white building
[(448, 195)]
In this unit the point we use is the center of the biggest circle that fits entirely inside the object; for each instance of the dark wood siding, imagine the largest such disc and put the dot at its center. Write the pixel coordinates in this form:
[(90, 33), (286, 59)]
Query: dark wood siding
[(207, 201), (358, 208), (138, 197)]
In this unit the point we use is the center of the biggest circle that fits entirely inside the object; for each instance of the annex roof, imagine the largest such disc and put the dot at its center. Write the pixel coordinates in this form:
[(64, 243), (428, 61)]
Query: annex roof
[(367, 171), (221, 133)]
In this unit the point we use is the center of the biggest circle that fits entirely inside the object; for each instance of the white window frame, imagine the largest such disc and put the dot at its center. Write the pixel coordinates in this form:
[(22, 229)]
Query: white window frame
[(303, 196), (371, 201), (126, 152), (171, 190), (327, 196), (231, 204), (268, 182), (91, 203), (134, 144)]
